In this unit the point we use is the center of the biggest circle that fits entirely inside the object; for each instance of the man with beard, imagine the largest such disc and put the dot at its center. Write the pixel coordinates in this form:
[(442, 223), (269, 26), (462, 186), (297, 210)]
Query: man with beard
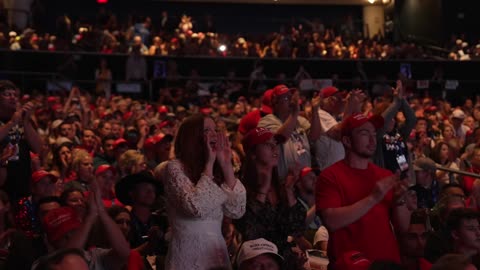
[(17, 131), (107, 156), (358, 201)]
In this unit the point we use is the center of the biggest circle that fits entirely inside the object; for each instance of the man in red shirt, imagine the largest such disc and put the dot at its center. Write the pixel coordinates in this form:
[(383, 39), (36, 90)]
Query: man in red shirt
[(358, 201)]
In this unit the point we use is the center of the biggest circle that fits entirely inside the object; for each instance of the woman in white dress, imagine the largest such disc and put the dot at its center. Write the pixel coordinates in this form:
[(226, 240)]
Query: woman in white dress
[(200, 187)]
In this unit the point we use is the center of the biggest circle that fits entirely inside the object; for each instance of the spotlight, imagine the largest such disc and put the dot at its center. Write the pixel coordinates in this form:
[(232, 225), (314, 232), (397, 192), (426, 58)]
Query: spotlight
[(222, 48)]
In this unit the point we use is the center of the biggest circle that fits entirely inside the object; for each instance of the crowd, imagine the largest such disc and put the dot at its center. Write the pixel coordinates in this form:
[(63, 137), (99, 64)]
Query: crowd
[(182, 37), (287, 180)]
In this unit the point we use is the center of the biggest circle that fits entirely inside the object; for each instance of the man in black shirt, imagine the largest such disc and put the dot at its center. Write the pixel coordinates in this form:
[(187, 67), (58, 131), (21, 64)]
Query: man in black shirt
[(17, 131)]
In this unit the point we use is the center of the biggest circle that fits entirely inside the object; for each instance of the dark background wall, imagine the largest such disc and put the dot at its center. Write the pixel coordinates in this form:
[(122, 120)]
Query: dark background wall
[(421, 19)]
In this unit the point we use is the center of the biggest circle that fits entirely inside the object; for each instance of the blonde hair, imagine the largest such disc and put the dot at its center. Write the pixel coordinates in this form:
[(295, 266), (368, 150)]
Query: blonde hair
[(78, 156), (128, 160)]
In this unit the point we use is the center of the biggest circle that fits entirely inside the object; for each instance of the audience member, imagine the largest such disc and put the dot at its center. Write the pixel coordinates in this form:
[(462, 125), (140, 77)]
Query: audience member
[(285, 121), (198, 195), (356, 195), (259, 254)]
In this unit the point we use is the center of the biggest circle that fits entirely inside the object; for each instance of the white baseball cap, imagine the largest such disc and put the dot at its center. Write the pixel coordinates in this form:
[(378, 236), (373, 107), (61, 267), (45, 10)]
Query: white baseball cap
[(253, 248), (457, 113)]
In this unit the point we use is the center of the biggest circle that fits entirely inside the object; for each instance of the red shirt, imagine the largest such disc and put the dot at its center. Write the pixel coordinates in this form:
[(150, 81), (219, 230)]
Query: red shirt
[(468, 180), (341, 185)]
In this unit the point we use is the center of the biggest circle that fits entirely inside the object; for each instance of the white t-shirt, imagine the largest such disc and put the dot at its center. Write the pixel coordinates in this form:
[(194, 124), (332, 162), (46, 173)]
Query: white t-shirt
[(327, 150), (296, 149), (320, 235), (461, 132)]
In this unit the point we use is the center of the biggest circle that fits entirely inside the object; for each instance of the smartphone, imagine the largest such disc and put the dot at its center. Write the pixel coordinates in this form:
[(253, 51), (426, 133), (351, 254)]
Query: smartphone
[(403, 165)]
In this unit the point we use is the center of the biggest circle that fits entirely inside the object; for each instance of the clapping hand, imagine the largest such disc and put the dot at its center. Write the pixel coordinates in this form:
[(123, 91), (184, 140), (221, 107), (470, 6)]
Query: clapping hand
[(210, 145), (294, 102), (383, 186), (223, 150), (27, 111), (399, 91), (316, 102)]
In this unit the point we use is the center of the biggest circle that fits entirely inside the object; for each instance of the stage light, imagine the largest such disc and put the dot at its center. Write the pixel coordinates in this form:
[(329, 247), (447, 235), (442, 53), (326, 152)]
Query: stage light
[(222, 48)]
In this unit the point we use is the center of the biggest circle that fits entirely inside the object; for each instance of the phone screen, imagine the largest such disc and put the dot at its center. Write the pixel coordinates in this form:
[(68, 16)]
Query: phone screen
[(402, 162)]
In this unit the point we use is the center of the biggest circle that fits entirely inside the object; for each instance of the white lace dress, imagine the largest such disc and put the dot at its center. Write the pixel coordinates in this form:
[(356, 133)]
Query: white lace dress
[(195, 213)]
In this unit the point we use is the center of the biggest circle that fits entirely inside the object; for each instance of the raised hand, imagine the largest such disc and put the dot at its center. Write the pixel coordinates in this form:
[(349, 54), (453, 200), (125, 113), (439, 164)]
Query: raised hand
[(316, 100), (92, 204), (97, 196), (355, 100), (399, 91), (294, 103), (210, 146), (383, 186), (27, 111), (223, 150), (18, 115)]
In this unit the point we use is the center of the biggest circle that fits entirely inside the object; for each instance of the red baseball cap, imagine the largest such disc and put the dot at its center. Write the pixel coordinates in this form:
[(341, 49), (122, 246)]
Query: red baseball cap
[(352, 260), (39, 175), (119, 142), (163, 109), (52, 99), (305, 171), (57, 106), (206, 111), (259, 135), (59, 222), (358, 119), (105, 168), (267, 102), (280, 90), (431, 109), (249, 122), (328, 91), (152, 141)]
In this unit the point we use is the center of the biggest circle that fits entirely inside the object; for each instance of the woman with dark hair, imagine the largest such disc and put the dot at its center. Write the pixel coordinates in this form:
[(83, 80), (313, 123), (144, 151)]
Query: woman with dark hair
[(273, 211), (444, 155), (62, 162), (201, 188), (122, 218)]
